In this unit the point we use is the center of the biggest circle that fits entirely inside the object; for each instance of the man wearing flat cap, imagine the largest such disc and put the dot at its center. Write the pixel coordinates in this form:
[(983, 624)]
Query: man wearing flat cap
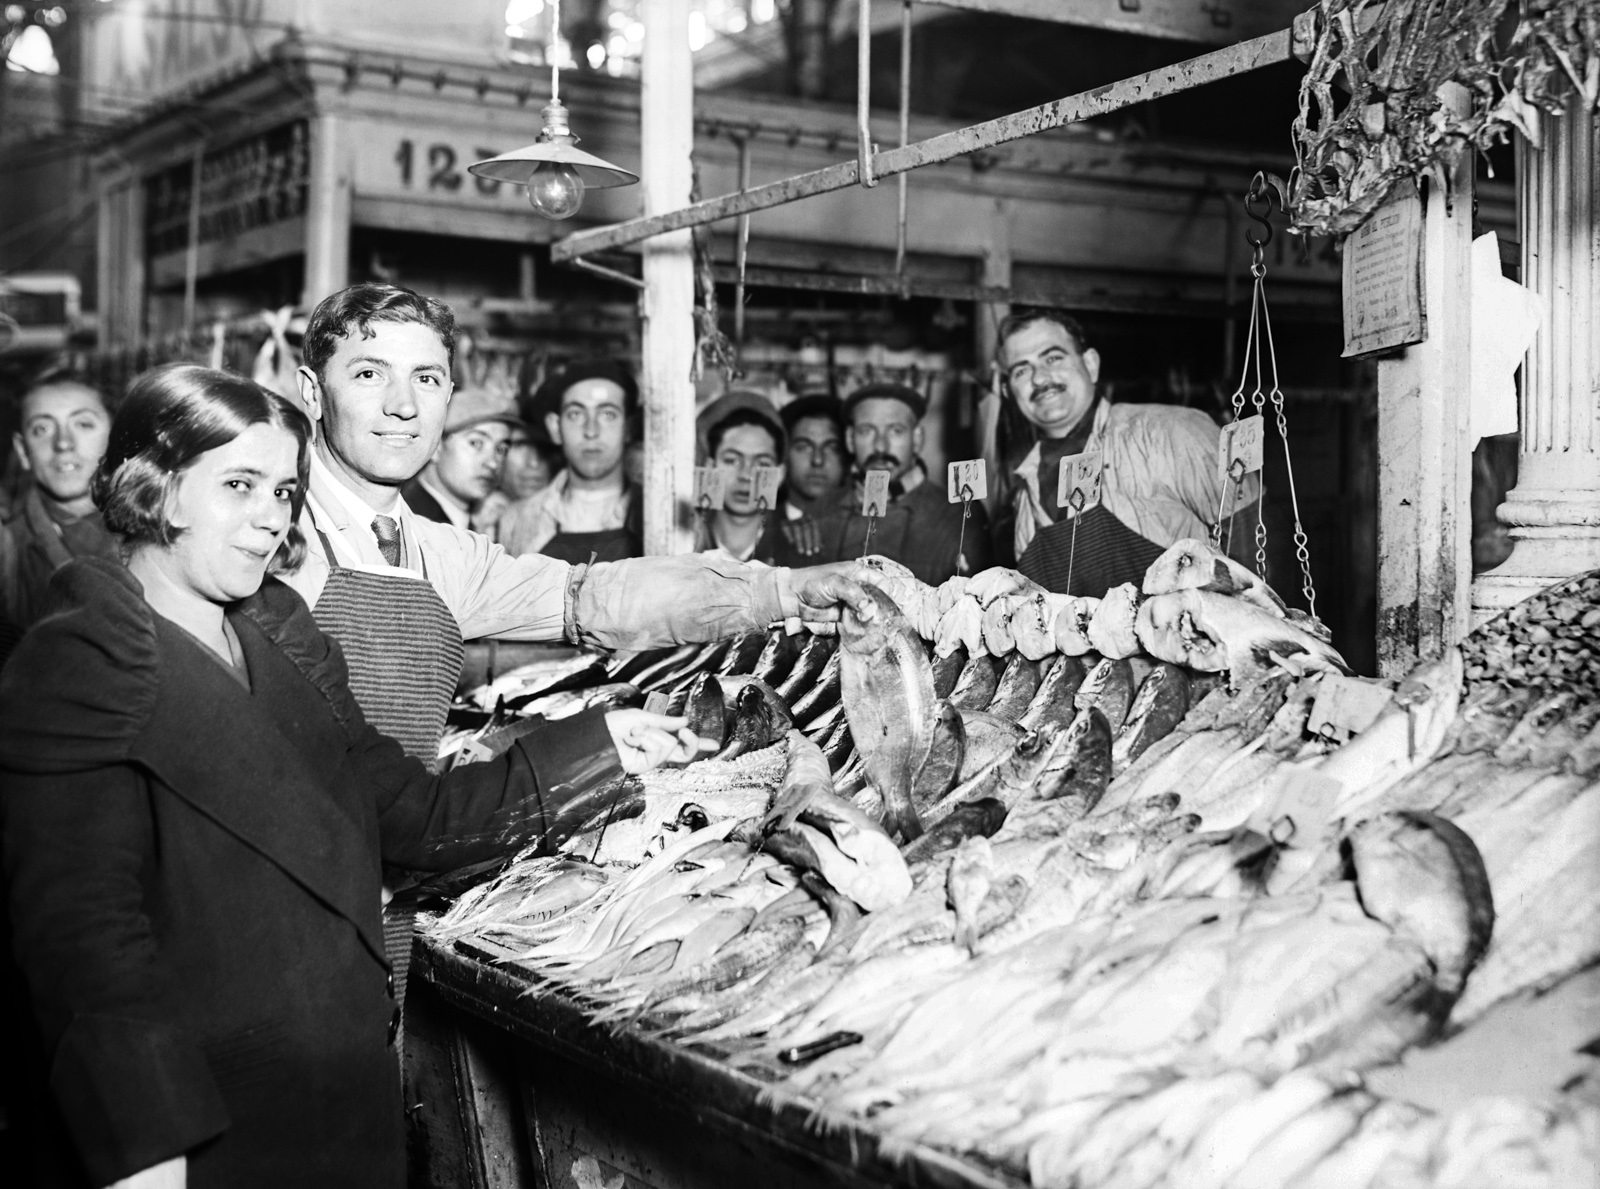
[(466, 466), (739, 432), (589, 511), (921, 530)]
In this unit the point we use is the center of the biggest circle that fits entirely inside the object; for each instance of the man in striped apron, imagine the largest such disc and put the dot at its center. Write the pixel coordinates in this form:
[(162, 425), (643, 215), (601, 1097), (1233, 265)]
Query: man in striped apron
[(401, 593), (1159, 476)]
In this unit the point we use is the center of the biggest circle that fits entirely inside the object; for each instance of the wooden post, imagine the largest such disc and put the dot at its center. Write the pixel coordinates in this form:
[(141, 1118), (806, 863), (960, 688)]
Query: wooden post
[(1424, 447), (327, 211), (986, 317), (666, 128), (1553, 513)]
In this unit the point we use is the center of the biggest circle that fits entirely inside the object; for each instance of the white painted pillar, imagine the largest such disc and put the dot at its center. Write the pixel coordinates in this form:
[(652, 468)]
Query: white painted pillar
[(666, 127), (1553, 513), (1425, 451), (327, 210)]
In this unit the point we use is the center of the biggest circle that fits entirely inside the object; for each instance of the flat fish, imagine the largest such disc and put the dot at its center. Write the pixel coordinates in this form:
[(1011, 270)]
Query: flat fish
[(807, 668), (966, 820), (975, 688), (1018, 684), (1080, 770), (941, 769), (822, 696), (887, 686), (1423, 877), (947, 671), (1053, 702), (1216, 632), (778, 657), (1109, 686), (1158, 707)]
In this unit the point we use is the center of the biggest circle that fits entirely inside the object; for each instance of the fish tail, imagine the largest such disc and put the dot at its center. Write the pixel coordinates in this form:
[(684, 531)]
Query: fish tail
[(967, 936), (900, 818)]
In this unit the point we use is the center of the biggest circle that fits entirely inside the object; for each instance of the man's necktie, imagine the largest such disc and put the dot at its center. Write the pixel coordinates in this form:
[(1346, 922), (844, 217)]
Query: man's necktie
[(387, 530)]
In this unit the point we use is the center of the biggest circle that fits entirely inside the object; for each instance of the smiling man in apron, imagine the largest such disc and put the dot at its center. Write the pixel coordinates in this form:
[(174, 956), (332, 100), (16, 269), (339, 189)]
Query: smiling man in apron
[(1159, 479), (401, 593)]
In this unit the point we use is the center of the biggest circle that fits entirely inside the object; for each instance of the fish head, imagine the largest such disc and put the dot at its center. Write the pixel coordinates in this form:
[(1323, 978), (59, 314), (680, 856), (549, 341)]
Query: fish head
[(1421, 875), (1184, 564)]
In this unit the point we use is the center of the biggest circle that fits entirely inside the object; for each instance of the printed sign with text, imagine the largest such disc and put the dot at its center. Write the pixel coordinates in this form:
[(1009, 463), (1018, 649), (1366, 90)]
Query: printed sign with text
[(1080, 474), (968, 480)]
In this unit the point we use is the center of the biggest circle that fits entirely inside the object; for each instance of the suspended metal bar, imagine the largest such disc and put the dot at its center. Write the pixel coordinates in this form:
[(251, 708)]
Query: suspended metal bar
[(864, 93), (905, 136), (1169, 80)]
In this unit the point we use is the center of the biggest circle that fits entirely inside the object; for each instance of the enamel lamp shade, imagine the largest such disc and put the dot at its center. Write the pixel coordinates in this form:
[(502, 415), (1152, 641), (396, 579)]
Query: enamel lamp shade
[(556, 172)]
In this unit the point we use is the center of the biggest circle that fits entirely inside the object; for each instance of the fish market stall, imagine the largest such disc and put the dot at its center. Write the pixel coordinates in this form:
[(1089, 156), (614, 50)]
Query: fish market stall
[(1004, 887)]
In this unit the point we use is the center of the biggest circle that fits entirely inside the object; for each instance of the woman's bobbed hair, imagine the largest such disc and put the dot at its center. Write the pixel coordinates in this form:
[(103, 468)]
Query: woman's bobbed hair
[(169, 417)]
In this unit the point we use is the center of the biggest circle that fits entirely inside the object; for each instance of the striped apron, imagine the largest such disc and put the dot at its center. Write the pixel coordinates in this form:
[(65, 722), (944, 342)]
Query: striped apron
[(1107, 553), (404, 651)]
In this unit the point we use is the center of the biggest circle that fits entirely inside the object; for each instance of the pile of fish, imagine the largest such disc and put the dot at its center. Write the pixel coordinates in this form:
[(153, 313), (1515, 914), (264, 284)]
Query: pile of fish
[(1145, 924)]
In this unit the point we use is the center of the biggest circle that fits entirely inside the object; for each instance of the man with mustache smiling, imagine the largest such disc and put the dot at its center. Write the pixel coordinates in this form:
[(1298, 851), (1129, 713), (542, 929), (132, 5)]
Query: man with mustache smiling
[(1160, 481), (921, 530)]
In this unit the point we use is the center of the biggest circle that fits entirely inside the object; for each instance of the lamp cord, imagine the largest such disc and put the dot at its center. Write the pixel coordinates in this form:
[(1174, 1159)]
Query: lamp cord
[(555, 39)]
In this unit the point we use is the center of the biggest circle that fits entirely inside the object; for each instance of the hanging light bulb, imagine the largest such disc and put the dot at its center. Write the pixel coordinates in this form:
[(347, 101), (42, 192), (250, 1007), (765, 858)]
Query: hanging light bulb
[(556, 172), (555, 190)]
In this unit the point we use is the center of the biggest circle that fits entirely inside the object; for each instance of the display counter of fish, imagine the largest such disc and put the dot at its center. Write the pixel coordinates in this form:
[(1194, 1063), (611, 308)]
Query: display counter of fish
[(1151, 920)]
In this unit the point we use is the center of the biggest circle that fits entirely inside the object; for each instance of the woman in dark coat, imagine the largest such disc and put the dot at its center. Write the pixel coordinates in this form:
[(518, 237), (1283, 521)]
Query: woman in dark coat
[(195, 813)]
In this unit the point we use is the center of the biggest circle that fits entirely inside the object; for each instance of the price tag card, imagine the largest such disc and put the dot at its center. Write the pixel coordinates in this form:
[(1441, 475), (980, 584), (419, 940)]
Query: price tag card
[(766, 481), (875, 493), (968, 480), (1304, 802), (710, 488), (1079, 473), (656, 701), (473, 752), (1346, 706), (1242, 441)]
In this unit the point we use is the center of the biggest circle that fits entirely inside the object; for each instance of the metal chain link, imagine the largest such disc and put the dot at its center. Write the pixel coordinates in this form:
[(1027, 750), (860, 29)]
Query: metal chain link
[(1260, 331)]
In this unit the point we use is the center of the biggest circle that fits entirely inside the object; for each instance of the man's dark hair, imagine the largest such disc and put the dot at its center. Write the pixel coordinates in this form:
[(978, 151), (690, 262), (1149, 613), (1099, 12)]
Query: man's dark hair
[(1025, 316), (816, 406), (715, 433), (353, 310)]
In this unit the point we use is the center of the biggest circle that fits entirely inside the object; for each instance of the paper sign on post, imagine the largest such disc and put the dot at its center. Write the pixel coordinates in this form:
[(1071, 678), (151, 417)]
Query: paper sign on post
[(710, 488), (1078, 485), (1304, 801), (875, 493), (968, 480), (1242, 441), (765, 481), (657, 701)]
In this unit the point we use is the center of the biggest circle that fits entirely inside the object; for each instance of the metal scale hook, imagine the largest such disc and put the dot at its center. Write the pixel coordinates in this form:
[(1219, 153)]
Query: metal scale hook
[(1264, 190)]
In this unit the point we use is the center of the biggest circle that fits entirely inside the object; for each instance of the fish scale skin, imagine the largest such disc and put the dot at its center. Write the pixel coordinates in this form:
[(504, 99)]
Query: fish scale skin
[(1282, 1159), (887, 687)]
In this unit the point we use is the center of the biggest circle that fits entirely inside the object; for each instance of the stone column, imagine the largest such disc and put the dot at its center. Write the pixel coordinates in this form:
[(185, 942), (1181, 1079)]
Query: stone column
[(1553, 513)]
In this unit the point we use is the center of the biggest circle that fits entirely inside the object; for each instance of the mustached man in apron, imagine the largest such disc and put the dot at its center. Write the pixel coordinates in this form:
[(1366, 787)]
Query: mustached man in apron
[(589, 511), (401, 593), (1158, 473)]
